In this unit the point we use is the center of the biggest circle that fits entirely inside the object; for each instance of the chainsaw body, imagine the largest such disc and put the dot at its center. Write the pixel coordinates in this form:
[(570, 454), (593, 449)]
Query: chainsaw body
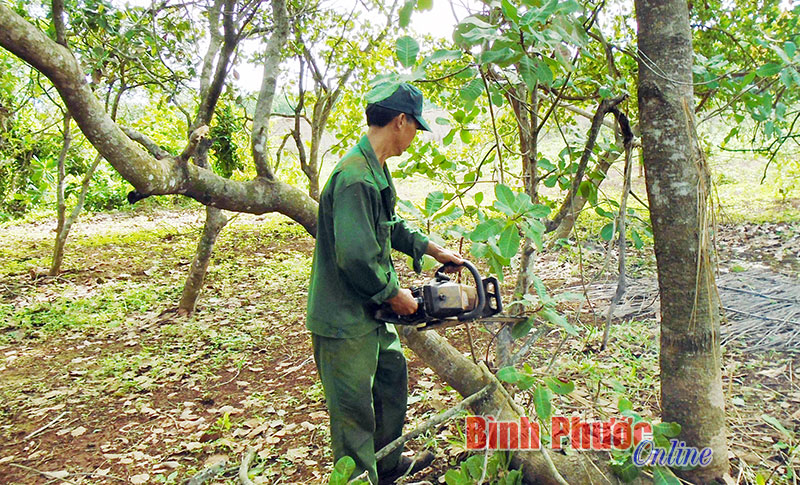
[(443, 302)]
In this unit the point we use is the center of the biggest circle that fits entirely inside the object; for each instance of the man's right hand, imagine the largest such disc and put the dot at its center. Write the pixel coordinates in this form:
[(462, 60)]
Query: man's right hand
[(403, 303)]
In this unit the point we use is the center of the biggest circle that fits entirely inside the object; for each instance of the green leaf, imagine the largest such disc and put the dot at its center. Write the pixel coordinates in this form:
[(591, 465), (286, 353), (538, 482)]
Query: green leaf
[(556, 318), (544, 74), (342, 471), (509, 11), (486, 229), (381, 91), (664, 476), (521, 329), (408, 206), (534, 230), (774, 422), (627, 471), (538, 210), (668, 430), (624, 405), (405, 12), (509, 241), (558, 386), (424, 4), (443, 55), (448, 139), (466, 136), (504, 194), (450, 214), (790, 48), (637, 241), (497, 55), (541, 401), (607, 232), (769, 69), (433, 202), (442, 121), (509, 374), (472, 91), (527, 70), (406, 51)]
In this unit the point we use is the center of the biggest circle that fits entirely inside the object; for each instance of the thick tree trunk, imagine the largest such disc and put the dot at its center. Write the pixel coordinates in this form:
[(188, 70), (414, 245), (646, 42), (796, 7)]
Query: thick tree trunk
[(677, 183), (464, 376)]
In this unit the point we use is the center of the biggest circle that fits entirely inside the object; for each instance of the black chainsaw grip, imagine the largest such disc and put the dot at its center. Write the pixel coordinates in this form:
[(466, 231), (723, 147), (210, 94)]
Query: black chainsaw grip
[(477, 312)]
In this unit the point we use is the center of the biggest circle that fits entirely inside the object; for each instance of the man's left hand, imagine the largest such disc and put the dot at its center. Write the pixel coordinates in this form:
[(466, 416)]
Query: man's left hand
[(444, 256)]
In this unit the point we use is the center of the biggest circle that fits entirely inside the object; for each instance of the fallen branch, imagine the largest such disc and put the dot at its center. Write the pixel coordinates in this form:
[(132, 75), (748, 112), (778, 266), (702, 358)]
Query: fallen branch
[(245, 466), (45, 427), (434, 421)]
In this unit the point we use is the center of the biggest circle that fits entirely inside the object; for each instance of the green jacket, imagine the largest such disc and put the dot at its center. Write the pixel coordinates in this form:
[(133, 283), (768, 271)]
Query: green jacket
[(352, 272)]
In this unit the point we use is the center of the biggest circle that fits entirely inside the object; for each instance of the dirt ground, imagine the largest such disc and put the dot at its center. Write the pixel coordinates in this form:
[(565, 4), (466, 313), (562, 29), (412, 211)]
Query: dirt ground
[(138, 395)]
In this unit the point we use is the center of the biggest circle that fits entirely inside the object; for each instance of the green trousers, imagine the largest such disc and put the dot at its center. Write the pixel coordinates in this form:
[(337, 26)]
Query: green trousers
[(366, 389)]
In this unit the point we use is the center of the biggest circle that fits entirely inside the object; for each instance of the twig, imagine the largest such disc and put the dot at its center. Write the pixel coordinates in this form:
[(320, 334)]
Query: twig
[(776, 298), (435, 421), (46, 426), (243, 468), (46, 474), (621, 284)]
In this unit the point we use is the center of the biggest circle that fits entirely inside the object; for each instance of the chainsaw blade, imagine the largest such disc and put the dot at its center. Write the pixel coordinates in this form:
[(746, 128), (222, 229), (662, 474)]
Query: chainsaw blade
[(452, 322)]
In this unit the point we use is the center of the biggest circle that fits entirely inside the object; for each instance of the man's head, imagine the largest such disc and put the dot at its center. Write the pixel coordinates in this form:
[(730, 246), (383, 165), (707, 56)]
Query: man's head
[(397, 117), (406, 99)]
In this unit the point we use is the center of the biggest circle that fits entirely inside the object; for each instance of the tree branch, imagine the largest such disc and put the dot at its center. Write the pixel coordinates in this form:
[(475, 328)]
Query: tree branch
[(149, 145), (606, 105), (267, 91)]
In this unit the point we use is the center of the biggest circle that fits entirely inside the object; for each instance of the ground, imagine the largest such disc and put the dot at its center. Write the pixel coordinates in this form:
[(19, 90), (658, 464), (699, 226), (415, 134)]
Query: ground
[(101, 383)]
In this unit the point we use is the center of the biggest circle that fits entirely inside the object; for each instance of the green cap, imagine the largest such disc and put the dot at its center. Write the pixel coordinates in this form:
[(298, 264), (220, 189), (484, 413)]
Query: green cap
[(406, 99)]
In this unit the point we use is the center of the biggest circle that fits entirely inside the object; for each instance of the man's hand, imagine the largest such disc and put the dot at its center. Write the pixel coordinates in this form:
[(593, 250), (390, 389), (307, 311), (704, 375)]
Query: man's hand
[(403, 303), (445, 256)]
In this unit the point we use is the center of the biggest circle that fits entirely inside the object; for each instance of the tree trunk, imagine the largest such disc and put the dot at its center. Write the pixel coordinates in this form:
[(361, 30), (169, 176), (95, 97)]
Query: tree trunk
[(215, 222), (677, 179), (61, 207)]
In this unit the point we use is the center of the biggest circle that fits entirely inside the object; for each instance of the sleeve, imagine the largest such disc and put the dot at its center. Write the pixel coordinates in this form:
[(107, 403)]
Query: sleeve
[(409, 241), (357, 248)]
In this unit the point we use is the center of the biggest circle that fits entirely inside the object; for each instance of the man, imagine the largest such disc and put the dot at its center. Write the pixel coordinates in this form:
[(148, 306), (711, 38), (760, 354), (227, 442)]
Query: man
[(359, 359)]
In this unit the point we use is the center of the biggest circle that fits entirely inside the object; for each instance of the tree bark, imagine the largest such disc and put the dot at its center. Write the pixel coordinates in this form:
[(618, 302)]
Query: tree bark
[(147, 174), (677, 180)]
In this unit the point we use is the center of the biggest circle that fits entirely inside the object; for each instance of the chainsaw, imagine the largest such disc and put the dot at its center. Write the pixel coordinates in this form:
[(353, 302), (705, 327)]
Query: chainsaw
[(442, 302)]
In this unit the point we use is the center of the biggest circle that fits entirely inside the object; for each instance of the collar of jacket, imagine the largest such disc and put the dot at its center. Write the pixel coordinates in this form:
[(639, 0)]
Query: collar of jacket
[(378, 170)]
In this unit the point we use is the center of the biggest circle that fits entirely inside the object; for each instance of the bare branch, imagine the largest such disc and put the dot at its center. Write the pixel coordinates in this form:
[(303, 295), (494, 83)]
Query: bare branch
[(142, 139)]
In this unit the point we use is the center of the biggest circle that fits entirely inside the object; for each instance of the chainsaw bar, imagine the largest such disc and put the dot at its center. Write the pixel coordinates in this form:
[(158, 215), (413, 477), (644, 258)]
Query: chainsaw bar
[(452, 322)]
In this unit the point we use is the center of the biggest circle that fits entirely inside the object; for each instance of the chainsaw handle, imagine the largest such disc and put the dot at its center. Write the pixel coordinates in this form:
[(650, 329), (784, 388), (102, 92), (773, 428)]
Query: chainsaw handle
[(477, 312)]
